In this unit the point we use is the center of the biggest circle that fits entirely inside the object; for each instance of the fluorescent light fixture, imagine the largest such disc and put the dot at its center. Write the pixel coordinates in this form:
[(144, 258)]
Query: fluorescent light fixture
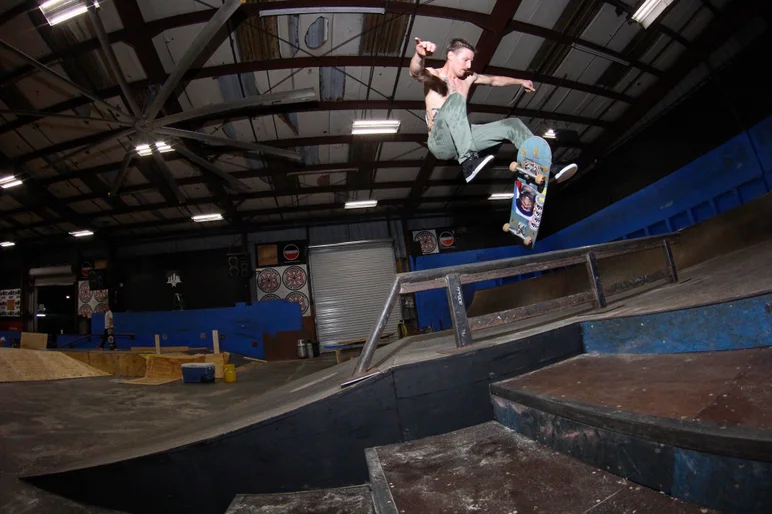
[(650, 11), (82, 233), (362, 127), (163, 147), (13, 183), (5, 180), (322, 10), (501, 196), (598, 53), (361, 204), (144, 150), (202, 218), (6, 244), (550, 134), (40, 315), (57, 11)]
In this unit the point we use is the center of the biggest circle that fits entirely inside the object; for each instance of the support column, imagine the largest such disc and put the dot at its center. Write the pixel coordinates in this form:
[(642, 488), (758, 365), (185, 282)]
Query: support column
[(458, 311), (595, 282), (671, 267)]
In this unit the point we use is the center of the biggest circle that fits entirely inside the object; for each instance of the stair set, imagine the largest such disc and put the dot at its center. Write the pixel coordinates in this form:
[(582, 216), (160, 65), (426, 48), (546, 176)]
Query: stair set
[(663, 413)]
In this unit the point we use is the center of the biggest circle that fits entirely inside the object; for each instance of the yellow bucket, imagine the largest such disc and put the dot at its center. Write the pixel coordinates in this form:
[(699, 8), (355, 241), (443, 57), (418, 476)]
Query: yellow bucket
[(230, 373)]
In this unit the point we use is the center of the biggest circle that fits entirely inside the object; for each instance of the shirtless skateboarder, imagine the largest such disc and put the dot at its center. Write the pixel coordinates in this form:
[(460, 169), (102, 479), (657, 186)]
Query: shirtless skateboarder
[(446, 89)]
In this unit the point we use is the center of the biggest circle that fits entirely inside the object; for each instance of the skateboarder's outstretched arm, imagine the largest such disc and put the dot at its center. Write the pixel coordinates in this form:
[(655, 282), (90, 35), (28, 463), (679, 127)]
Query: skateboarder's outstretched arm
[(495, 80), (417, 66)]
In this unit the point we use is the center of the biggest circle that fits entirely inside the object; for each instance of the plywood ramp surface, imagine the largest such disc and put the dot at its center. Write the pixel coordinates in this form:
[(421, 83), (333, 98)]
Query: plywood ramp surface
[(124, 364), (162, 369), (34, 341), (21, 365)]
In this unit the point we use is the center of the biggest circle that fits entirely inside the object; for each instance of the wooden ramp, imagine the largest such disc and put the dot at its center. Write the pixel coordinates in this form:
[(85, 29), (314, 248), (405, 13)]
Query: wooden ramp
[(21, 365)]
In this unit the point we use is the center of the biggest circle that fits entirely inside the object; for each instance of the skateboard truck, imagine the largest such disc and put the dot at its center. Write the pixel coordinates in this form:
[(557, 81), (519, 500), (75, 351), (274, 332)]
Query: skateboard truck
[(538, 177)]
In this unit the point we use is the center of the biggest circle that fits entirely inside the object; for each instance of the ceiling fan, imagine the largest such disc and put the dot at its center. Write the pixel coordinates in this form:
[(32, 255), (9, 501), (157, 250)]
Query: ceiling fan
[(146, 128)]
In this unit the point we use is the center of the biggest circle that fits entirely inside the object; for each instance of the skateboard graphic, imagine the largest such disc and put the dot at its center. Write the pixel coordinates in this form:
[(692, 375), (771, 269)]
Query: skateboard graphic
[(532, 167)]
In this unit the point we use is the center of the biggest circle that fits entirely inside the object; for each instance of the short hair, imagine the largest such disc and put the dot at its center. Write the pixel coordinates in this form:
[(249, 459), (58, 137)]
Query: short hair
[(457, 44)]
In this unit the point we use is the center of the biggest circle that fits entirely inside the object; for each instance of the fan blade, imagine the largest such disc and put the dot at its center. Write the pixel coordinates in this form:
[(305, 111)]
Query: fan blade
[(214, 140), (290, 97), (26, 58), (43, 114), (113, 62), (222, 15), (211, 167), (169, 176), (111, 136), (123, 175)]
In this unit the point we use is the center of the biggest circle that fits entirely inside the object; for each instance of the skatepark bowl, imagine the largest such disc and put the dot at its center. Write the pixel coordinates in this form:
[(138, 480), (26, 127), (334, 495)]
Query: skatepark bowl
[(634, 376)]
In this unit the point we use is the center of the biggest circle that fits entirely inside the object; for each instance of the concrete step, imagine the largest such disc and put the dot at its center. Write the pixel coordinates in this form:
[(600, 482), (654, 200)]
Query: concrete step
[(344, 500), (491, 469), (697, 426)]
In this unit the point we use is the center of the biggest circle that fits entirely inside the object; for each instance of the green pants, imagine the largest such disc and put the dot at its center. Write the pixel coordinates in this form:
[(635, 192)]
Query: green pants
[(452, 137)]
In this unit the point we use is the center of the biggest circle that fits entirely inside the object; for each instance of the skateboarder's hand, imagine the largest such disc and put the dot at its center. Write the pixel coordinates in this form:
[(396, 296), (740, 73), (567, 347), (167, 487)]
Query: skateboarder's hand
[(424, 48), (528, 85)]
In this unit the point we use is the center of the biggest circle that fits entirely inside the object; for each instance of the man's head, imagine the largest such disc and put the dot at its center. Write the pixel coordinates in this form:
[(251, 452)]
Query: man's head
[(459, 56)]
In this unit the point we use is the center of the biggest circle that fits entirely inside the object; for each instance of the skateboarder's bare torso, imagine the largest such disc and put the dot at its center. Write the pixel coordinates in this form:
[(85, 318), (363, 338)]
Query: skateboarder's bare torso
[(439, 86)]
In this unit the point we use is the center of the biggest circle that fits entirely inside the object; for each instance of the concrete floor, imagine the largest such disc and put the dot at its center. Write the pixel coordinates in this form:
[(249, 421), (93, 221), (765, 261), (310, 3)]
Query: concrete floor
[(43, 424)]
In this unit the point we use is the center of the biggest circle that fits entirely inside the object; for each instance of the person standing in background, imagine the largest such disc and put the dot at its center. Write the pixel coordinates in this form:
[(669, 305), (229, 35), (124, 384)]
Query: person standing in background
[(108, 333)]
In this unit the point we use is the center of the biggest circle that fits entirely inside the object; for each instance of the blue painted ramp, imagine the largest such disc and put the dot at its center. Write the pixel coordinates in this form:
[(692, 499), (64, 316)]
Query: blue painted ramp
[(733, 325)]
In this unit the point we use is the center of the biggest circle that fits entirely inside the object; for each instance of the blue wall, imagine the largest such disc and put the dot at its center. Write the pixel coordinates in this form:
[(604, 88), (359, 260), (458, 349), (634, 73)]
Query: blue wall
[(734, 325), (241, 327), (738, 171)]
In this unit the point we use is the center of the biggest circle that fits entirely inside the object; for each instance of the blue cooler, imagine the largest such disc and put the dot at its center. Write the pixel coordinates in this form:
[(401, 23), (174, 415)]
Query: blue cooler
[(198, 372)]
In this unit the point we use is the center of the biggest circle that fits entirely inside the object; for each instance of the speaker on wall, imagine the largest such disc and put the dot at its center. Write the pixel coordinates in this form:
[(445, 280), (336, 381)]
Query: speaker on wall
[(239, 265)]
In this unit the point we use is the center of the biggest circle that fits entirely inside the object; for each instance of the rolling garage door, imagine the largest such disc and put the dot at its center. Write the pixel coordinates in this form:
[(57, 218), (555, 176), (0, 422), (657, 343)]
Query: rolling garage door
[(351, 282)]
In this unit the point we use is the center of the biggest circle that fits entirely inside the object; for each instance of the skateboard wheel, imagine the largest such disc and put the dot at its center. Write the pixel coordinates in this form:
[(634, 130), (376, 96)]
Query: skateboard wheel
[(540, 179), (513, 167), (505, 228), (527, 241)]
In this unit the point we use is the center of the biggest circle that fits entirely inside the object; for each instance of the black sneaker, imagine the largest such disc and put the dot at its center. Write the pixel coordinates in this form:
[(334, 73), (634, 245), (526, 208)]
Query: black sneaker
[(472, 167)]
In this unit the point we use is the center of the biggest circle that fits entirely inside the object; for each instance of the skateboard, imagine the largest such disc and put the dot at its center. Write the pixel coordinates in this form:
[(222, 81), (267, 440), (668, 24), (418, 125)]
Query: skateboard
[(532, 168)]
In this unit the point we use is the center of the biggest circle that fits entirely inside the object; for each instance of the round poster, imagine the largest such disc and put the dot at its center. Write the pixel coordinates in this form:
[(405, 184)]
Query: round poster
[(269, 297), (294, 277), (269, 280), (427, 240), (84, 293), (298, 297)]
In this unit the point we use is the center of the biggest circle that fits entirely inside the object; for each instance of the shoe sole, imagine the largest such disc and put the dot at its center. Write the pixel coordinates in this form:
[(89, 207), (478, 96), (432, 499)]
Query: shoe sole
[(566, 173), (479, 168)]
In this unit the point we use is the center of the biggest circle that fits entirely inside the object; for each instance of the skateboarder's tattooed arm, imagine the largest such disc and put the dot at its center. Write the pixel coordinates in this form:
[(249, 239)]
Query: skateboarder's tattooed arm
[(417, 65), (494, 80)]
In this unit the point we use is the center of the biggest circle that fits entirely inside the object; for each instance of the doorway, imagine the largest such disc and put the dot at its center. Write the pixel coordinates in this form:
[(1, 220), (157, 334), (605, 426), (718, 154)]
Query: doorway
[(57, 309)]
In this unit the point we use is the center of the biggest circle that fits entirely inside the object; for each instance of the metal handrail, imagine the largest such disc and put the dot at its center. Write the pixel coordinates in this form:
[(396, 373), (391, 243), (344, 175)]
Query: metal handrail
[(453, 277)]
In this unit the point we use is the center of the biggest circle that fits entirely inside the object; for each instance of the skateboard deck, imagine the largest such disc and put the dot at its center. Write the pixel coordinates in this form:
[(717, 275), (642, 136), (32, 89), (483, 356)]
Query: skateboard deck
[(532, 169)]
